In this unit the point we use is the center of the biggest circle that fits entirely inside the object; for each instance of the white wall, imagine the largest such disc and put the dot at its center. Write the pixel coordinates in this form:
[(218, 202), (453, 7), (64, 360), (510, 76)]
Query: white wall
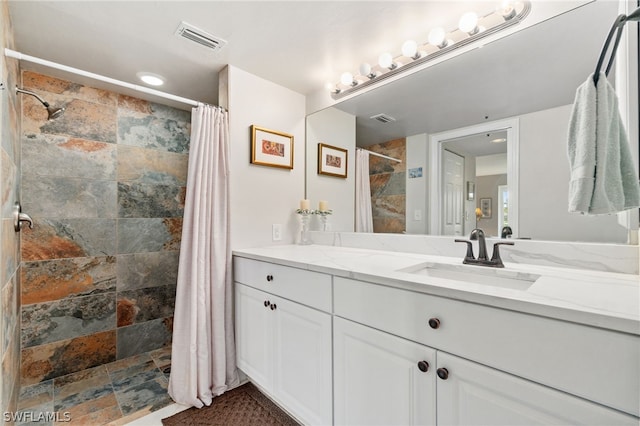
[(544, 165), (417, 190), (495, 164), (260, 195), (336, 128)]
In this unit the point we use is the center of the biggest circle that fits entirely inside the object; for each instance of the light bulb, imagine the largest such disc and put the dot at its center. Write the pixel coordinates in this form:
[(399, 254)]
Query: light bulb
[(507, 10), (469, 23), (331, 87), (386, 61), (437, 37), (365, 69), (410, 49), (347, 79)]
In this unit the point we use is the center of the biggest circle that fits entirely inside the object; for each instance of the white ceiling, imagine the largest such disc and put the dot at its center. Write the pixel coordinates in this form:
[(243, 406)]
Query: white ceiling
[(301, 45)]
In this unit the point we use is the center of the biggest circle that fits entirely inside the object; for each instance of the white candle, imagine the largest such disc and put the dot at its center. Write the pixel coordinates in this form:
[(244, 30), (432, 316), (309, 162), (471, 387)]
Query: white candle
[(305, 204), (323, 206)]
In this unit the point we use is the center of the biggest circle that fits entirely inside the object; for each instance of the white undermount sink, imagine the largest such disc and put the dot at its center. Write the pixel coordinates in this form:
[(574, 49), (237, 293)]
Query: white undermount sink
[(475, 274)]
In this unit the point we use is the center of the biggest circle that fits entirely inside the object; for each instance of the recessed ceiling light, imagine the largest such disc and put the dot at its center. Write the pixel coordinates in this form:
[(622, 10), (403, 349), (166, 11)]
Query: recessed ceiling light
[(151, 79), (499, 140)]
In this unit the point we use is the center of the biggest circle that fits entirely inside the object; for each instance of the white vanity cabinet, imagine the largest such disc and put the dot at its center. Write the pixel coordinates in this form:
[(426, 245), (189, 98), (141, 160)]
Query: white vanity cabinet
[(285, 346), (470, 393), (335, 350), (380, 379), (507, 367)]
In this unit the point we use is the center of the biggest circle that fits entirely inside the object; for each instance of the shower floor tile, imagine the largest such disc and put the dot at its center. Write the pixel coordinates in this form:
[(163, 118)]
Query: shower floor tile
[(111, 394)]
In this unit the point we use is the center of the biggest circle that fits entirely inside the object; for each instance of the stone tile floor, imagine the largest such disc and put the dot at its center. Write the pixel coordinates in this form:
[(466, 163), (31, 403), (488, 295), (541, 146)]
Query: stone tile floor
[(111, 394)]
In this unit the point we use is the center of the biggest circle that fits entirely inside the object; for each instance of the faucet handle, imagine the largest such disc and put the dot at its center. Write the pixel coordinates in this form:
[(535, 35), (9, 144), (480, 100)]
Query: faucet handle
[(469, 255), (495, 257)]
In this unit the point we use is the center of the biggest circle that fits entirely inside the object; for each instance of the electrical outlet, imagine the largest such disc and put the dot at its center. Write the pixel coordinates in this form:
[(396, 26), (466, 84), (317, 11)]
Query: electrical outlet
[(417, 215), (276, 232)]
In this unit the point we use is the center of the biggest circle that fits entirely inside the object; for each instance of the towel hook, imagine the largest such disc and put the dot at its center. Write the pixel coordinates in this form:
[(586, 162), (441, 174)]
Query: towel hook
[(618, 25)]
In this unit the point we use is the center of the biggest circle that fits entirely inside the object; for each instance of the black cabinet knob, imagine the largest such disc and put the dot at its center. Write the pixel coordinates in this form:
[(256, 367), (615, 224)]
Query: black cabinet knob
[(273, 306), (269, 277), (434, 323), (443, 373), (266, 303), (423, 366)]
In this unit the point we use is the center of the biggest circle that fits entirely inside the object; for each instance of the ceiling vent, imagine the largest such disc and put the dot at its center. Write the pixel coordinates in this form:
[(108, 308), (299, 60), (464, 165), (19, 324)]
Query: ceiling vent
[(203, 38), (383, 118)]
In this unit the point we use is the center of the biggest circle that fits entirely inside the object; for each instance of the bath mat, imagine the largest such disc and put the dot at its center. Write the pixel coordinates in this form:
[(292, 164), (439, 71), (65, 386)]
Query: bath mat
[(242, 406)]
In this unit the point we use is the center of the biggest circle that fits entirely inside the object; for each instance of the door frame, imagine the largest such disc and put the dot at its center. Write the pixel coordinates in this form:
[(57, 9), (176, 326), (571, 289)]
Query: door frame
[(512, 127)]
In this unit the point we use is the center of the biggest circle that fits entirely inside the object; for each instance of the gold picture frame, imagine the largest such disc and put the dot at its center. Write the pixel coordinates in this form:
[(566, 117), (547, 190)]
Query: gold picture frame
[(271, 148), (332, 161)]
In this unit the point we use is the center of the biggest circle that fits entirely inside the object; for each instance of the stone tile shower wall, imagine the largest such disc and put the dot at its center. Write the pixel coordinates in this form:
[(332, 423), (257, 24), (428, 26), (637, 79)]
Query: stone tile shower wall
[(105, 185), (388, 186), (9, 240)]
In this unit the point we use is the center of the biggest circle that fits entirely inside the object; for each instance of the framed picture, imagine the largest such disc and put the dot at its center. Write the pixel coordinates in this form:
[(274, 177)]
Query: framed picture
[(271, 148), (332, 161), (471, 191), (485, 207)]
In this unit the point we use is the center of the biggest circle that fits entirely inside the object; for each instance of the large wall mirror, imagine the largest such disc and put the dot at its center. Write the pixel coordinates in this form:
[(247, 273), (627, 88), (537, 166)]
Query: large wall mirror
[(480, 139)]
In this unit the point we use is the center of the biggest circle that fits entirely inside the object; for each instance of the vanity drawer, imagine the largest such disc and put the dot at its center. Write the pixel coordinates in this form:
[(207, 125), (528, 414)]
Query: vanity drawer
[(596, 364), (306, 287)]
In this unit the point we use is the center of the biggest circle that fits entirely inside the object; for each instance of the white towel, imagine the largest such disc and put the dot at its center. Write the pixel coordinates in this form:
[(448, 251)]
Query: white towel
[(603, 177)]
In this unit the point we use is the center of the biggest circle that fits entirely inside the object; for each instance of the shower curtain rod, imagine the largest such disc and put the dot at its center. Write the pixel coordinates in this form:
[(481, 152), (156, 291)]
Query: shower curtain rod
[(21, 56), (380, 155)]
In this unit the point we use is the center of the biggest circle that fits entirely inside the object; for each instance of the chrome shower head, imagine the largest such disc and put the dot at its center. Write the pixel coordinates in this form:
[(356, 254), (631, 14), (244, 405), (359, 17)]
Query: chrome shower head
[(53, 112)]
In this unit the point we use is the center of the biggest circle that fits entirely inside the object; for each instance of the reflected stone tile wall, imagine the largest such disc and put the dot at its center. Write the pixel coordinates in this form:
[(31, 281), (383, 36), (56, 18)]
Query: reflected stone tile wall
[(10, 165), (388, 187), (105, 184)]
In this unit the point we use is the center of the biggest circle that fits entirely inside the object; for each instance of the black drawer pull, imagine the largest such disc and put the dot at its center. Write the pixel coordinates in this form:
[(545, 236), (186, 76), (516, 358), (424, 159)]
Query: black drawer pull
[(269, 277), (267, 303), (423, 366), (273, 306), (443, 373), (434, 323)]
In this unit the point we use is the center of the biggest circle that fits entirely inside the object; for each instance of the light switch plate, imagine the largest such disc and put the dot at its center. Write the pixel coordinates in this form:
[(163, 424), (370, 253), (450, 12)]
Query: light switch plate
[(276, 232)]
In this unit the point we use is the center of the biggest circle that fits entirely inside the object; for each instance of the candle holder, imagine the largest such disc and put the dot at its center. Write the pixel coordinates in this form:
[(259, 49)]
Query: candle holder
[(324, 216), (305, 216)]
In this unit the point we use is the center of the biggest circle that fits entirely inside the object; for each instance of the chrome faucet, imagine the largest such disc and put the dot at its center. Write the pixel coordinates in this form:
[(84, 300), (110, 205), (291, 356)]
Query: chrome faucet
[(482, 260)]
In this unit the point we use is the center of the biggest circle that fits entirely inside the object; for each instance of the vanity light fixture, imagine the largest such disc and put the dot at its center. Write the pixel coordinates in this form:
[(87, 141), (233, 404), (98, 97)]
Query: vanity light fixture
[(471, 28), (410, 50), (151, 79), (347, 79), (365, 70), (386, 61), (469, 23), (437, 38), (507, 10)]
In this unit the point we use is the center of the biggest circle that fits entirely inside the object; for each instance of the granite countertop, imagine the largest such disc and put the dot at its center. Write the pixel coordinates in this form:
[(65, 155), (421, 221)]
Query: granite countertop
[(601, 299)]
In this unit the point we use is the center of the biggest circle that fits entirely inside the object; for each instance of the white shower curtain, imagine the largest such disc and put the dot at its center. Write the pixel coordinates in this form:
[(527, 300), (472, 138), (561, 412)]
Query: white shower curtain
[(203, 358), (364, 214)]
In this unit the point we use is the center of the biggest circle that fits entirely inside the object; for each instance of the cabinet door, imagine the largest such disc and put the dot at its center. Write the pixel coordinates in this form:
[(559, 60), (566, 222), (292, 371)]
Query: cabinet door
[(302, 355), (475, 394), (377, 379), (254, 343)]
